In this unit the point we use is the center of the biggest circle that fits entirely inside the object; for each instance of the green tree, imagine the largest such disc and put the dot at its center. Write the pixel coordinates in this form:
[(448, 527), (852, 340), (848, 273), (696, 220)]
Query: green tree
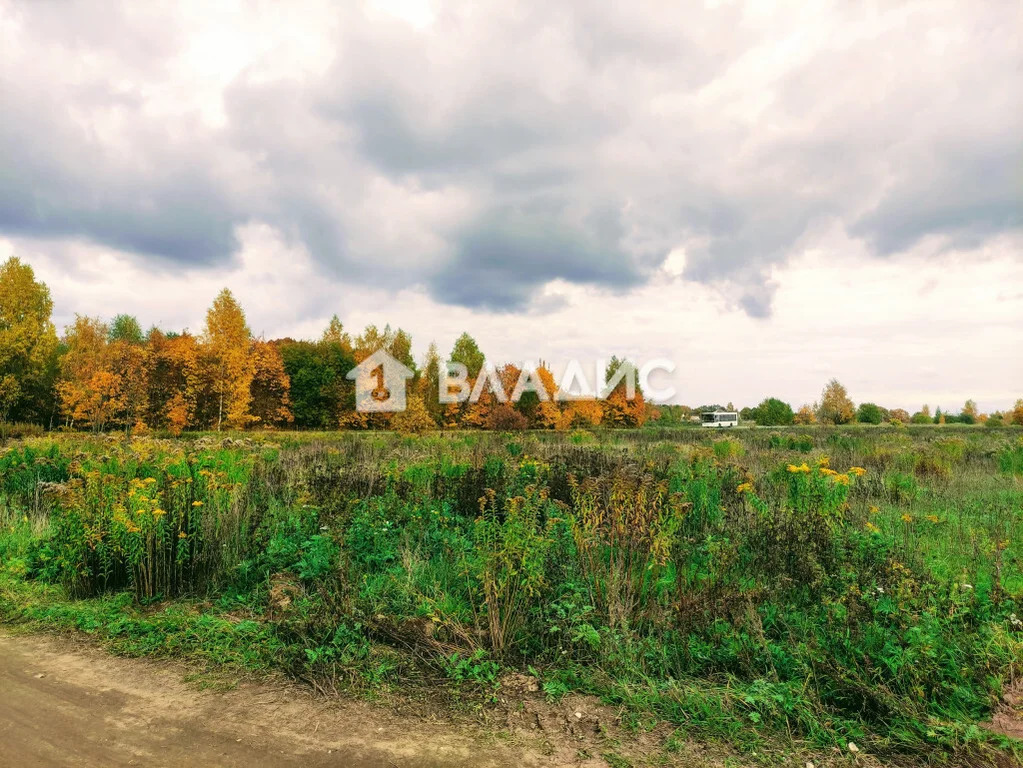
[(969, 413), (773, 412), (869, 413), (335, 334), (126, 328), (467, 352), (28, 344)]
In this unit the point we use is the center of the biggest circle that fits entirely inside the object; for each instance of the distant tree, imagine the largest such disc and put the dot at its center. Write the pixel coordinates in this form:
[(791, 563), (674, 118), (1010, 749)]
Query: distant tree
[(619, 410), (173, 380), (28, 343), (807, 414), (226, 341), (270, 388), (773, 412), (400, 349), (467, 352), (1017, 413), (126, 328), (319, 391), (900, 415), (130, 361), (506, 419), (835, 406), (335, 334), (89, 390), (708, 409), (969, 413), (427, 384), (923, 416), (869, 413), (939, 417), (746, 414), (414, 419)]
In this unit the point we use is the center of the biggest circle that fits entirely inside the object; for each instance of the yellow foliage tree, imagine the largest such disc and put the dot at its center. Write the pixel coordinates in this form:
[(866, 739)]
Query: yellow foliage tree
[(271, 402), (835, 406), (28, 341), (807, 414), (1016, 414), (226, 341), (130, 363), (414, 419)]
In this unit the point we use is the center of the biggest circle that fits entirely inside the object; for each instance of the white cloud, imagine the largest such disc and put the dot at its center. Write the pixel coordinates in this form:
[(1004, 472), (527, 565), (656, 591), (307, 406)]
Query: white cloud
[(771, 193)]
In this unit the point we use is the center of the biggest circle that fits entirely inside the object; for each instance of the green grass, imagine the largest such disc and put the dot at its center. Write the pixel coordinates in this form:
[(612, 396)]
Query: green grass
[(759, 589)]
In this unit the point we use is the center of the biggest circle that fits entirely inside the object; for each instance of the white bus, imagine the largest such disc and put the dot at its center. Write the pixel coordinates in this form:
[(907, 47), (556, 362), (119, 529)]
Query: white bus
[(721, 419)]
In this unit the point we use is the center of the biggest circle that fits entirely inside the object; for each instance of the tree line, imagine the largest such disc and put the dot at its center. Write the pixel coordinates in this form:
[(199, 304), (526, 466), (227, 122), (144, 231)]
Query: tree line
[(836, 407), (101, 375)]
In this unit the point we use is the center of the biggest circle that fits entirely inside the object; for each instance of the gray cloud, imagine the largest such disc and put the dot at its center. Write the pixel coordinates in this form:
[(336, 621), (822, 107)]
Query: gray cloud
[(486, 155), (501, 259)]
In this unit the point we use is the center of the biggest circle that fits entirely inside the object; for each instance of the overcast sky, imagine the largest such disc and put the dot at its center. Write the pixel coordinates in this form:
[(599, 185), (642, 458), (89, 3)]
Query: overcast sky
[(768, 194)]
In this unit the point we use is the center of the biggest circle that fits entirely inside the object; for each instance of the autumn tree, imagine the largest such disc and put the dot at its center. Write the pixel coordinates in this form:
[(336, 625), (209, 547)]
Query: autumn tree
[(835, 406), (807, 414), (900, 415), (270, 388), (335, 334), (89, 390), (427, 384), (174, 379), (1016, 415), (28, 343), (622, 408), (129, 360), (414, 419), (923, 416), (969, 414), (226, 341)]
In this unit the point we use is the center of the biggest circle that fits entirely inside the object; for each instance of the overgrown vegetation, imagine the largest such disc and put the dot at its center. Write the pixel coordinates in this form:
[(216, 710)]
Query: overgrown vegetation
[(771, 590)]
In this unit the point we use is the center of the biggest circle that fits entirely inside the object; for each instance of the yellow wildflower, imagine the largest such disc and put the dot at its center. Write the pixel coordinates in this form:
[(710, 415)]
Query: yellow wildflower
[(858, 471), (196, 503), (149, 480), (828, 472), (801, 469), (872, 528), (842, 479), (907, 518), (932, 518), (874, 509), (159, 512), (823, 461), (182, 535), (744, 488)]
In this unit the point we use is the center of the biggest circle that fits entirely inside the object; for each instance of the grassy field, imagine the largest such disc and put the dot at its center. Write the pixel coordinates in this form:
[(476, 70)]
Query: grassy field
[(778, 591)]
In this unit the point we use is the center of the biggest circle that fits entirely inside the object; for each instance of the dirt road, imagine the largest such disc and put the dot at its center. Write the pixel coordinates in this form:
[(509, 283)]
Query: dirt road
[(62, 704)]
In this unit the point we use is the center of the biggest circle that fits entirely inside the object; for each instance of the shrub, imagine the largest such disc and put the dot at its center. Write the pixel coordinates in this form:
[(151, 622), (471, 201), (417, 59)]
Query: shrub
[(773, 412), (869, 413)]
